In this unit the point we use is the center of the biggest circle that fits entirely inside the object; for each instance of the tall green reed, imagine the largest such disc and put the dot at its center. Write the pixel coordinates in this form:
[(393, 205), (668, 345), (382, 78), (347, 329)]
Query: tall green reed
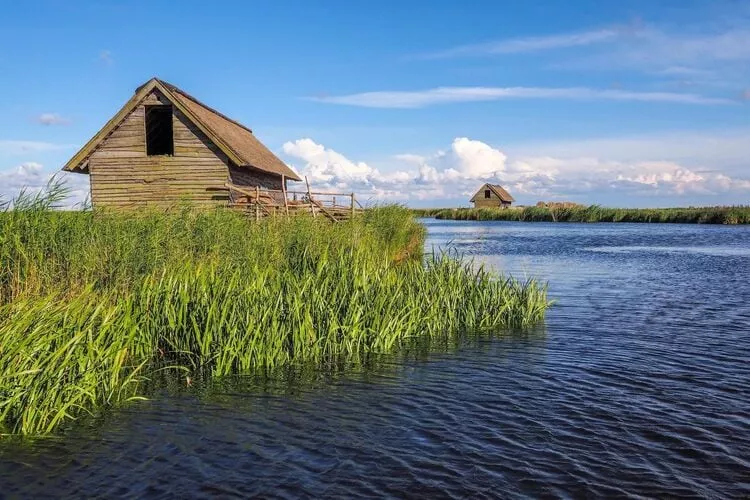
[(94, 303), (597, 213)]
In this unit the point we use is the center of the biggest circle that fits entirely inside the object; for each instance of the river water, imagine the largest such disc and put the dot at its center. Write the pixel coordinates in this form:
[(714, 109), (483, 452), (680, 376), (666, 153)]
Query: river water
[(638, 384)]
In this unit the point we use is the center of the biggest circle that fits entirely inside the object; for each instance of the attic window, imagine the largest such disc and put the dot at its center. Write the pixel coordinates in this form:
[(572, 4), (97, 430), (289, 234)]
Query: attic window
[(159, 134), (487, 193)]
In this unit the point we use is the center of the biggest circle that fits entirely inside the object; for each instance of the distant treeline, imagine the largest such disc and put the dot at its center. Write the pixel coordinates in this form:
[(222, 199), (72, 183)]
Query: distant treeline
[(596, 213)]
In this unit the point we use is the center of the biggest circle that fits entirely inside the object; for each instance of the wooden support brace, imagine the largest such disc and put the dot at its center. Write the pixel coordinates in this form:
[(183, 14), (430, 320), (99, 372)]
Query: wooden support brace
[(283, 190), (257, 203)]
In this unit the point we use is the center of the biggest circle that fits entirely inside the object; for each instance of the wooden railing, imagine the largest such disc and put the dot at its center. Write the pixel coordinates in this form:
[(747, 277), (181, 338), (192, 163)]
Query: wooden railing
[(261, 202)]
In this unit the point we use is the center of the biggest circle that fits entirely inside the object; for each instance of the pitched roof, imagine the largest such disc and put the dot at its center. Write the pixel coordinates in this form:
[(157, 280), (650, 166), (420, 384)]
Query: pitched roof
[(498, 190), (233, 138)]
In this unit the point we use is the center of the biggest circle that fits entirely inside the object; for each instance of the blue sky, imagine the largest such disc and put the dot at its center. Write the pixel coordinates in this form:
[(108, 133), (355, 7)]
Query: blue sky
[(630, 103)]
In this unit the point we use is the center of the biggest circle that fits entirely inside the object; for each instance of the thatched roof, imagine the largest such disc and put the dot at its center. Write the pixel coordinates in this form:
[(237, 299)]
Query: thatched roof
[(233, 138), (495, 188)]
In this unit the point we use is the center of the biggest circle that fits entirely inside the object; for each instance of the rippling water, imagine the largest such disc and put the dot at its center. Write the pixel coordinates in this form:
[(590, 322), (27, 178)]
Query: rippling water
[(638, 384)]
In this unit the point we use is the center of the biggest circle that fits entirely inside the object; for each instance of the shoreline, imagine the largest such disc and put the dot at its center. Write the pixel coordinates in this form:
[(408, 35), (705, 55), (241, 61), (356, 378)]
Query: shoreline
[(94, 306), (729, 215)]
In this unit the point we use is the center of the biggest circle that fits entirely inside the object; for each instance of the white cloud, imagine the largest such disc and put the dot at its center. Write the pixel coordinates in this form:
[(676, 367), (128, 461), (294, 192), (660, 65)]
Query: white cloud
[(594, 176), (713, 58), (105, 57), (26, 175), (326, 165), (471, 159), (455, 173), (52, 119), (726, 148), (635, 42), (713, 52), (442, 95), (12, 147), (32, 178), (532, 44), (682, 71), (657, 47)]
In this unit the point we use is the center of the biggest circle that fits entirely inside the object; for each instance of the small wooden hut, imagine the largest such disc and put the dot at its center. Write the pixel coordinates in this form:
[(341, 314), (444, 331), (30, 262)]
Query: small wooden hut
[(492, 195), (165, 146)]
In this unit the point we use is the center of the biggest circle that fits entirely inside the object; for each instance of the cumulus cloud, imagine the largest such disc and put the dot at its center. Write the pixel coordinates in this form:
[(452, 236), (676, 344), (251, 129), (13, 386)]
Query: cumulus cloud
[(32, 178), (26, 175), (580, 176), (456, 172), (473, 159), (443, 95), (52, 119), (328, 166)]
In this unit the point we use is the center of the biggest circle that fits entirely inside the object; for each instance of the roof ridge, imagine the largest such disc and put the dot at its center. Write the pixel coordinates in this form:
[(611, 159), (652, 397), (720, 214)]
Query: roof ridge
[(214, 136), (174, 88), (501, 192), (498, 189), (215, 122), (235, 140)]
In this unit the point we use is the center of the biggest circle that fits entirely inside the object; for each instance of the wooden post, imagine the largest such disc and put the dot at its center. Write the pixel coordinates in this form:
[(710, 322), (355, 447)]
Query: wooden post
[(283, 191), (352, 206), (309, 196), (257, 203)]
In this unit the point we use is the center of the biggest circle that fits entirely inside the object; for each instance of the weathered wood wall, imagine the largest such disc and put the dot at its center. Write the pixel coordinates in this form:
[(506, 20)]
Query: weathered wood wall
[(249, 177), (252, 178), (122, 175), (492, 201)]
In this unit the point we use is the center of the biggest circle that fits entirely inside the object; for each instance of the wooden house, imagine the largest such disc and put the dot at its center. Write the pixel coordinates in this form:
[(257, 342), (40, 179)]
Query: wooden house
[(492, 195), (164, 147)]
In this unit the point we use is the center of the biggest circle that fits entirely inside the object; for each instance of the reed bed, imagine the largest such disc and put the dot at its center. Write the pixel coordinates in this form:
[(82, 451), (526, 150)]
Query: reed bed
[(93, 305), (596, 213)]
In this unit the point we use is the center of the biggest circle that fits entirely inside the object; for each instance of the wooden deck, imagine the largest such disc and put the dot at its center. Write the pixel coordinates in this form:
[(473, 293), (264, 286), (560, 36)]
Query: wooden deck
[(259, 202)]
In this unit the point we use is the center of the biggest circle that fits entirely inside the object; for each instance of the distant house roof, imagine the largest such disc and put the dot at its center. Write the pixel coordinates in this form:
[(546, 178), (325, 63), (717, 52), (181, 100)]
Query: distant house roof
[(233, 138), (498, 190)]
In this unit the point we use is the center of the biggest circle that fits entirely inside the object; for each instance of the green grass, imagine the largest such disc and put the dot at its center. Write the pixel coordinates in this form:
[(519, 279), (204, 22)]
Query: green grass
[(93, 305), (596, 213)]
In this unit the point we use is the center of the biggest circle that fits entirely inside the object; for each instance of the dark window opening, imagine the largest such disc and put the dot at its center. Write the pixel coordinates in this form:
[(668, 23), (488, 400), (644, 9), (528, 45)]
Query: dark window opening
[(159, 134), (487, 193)]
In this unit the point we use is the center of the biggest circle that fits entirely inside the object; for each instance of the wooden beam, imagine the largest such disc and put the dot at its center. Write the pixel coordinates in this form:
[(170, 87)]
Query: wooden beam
[(323, 209), (309, 195), (257, 203), (286, 202)]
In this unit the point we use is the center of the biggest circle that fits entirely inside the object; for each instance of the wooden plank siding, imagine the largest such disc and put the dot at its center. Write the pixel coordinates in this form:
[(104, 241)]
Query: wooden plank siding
[(122, 175), (252, 178), (492, 201), (247, 177)]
